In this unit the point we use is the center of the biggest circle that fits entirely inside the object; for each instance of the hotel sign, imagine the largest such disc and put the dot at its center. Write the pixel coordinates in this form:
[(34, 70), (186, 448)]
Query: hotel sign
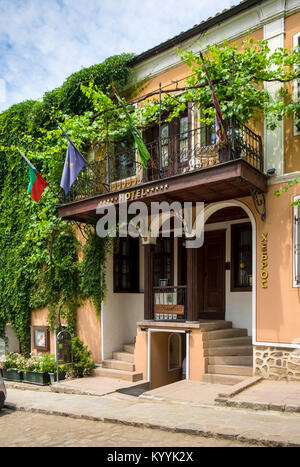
[(264, 275), (131, 195)]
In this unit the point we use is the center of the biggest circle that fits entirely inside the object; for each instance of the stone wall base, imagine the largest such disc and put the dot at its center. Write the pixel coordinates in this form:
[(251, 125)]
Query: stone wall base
[(277, 363)]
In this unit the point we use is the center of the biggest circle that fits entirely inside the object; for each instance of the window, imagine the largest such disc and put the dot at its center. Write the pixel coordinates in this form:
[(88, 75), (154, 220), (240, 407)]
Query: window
[(163, 260), (241, 257), (126, 265), (174, 352), (123, 159), (296, 243), (165, 146), (296, 43), (183, 138)]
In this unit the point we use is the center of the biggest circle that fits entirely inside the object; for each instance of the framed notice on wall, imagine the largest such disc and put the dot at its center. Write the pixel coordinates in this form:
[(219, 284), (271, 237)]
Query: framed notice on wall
[(40, 335)]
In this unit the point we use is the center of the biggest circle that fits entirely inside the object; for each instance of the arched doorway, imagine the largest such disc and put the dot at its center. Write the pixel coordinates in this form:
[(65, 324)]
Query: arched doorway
[(233, 222)]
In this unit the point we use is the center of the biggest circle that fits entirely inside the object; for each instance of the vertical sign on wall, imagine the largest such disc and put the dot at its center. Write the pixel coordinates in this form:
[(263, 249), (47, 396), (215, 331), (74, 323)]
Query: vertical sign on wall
[(264, 261)]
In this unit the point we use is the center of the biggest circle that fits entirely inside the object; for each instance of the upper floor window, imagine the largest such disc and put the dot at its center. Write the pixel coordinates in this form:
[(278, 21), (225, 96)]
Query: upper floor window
[(122, 159), (296, 43), (173, 150), (183, 138)]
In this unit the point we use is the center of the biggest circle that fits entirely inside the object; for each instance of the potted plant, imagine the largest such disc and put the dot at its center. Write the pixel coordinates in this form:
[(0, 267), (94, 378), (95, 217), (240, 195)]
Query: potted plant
[(31, 365), (49, 364), (12, 366), (82, 364)]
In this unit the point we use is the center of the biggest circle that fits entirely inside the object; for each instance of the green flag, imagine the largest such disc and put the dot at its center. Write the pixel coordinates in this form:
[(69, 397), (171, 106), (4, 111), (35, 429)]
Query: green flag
[(143, 151)]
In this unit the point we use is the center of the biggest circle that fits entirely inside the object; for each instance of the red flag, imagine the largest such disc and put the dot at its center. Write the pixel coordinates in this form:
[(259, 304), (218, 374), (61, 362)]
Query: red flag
[(37, 183), (220, 127)]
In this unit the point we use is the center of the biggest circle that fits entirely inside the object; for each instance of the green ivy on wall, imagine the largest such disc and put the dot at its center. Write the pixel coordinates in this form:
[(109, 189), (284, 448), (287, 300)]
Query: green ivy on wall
[(39, 252)]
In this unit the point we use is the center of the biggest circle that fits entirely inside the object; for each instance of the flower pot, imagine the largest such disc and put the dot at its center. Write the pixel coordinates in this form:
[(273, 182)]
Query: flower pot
[(32, 377), (12, 375), (28, 377), (53, 377)]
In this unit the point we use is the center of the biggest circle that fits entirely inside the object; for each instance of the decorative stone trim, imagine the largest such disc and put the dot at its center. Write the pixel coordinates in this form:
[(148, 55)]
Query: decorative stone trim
[(277, 363)]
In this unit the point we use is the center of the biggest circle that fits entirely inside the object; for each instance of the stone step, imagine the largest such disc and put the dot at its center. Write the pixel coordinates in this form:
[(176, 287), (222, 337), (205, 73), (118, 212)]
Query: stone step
[(226, 333), (229, 350), (119, 374), (230, 341), (236, 370), (231, 360), (124, 356), (214, 325), (222, 379), (118, 365), (129, 348)]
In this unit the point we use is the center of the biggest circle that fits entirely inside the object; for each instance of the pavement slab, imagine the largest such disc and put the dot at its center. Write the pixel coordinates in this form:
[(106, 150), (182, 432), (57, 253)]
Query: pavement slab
[(269, 395), (266, 428)]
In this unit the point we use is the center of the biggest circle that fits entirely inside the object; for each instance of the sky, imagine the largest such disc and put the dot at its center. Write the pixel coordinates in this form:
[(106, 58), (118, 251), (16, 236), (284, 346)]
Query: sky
[(43, 41)]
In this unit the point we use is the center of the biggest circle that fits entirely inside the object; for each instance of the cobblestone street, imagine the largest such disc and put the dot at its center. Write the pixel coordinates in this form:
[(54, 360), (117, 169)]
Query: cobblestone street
[(39, 430)]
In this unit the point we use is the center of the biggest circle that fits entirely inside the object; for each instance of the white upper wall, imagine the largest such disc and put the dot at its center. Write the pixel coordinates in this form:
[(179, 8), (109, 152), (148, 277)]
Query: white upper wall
[(268, 15), (239, 25)]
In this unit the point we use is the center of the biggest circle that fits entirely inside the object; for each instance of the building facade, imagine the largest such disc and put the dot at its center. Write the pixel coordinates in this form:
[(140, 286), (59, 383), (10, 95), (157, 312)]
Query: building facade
[(231, 308)]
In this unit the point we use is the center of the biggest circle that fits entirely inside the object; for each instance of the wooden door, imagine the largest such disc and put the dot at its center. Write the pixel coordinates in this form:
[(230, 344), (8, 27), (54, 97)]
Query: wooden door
[(212, 275)]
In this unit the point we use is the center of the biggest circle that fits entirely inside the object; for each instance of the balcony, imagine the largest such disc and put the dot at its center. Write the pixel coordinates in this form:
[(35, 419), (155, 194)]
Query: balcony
[(190, 165), (170, 303)]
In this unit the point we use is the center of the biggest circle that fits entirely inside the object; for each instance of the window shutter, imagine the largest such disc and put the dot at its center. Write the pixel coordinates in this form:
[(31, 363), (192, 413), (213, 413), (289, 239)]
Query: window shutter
[(297, 244)]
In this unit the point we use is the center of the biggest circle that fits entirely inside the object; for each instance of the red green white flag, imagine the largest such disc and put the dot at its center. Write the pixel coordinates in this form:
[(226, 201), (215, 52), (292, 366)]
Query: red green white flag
[(37, 183)]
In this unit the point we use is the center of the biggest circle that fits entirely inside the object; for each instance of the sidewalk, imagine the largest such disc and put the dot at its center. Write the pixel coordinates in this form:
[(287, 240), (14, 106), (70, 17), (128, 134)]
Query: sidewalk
[(257, 427), (267, 395)]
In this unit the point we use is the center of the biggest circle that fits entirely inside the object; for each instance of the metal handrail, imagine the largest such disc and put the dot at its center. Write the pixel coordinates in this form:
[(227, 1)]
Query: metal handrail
[(181, 153)]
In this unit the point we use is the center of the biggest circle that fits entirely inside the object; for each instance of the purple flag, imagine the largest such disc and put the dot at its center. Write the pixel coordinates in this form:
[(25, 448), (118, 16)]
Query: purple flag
[(73, 165)]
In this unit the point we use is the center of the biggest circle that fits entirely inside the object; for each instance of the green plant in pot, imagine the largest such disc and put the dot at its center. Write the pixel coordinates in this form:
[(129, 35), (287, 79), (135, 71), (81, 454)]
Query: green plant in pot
[(35, 371), (12, 366), (48, 365), (83, 365)]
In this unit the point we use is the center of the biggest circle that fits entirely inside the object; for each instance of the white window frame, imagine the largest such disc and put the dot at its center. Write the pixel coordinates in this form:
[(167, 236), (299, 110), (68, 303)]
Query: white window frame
[(296, 226), (296, 83)]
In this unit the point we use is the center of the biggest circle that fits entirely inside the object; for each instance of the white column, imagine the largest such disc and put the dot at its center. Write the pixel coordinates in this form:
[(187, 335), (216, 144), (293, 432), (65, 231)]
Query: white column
[(274, 140), (187, 355)]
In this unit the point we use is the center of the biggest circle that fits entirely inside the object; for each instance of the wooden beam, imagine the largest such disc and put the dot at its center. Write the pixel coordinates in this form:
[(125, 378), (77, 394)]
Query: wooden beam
[(148, 282), (192, 284)]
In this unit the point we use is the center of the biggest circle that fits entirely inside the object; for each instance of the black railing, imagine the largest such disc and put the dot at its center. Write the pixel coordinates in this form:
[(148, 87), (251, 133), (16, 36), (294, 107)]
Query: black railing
[(170, 303), (178, 154)]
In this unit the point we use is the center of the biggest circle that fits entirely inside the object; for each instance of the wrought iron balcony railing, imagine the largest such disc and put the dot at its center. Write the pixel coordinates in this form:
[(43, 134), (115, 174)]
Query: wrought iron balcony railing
[(178, 154), (170, 303)]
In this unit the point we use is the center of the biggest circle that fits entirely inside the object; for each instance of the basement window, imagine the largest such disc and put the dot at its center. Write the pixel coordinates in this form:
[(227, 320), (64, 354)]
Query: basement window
[(174, 351)]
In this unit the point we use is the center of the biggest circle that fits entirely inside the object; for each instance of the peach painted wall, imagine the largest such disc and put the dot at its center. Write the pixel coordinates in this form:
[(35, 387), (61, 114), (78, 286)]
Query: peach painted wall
[(39, 318), (160, 375), (278, 306), (88, 328), (292, 143)]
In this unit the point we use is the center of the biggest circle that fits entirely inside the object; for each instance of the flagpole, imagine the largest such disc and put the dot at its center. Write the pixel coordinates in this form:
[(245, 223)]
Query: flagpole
[(87, 163), (32, 166), (124, 106)]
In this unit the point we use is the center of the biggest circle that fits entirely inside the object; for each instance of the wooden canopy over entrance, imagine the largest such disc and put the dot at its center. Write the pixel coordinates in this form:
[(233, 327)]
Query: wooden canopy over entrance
[(230, 180)]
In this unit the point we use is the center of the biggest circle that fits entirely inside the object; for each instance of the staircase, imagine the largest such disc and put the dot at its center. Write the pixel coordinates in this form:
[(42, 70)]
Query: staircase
[(121, 366), (229, 352)]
